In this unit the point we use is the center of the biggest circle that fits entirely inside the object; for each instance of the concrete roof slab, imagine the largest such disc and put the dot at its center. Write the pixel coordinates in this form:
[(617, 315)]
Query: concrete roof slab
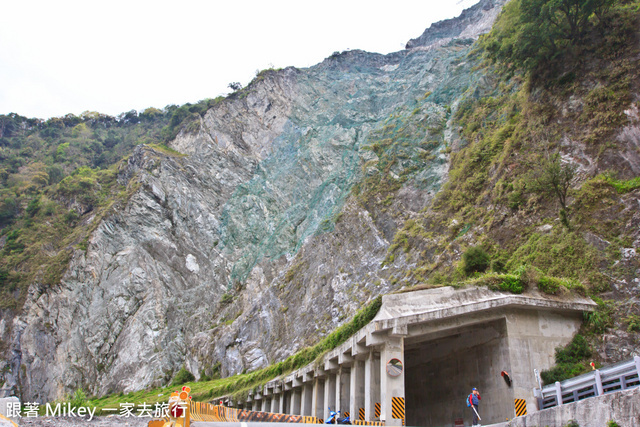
[(400, 310)]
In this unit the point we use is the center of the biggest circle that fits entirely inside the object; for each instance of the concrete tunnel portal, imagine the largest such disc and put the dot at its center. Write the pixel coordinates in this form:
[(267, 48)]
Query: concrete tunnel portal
[(425, 350), (440, 374)]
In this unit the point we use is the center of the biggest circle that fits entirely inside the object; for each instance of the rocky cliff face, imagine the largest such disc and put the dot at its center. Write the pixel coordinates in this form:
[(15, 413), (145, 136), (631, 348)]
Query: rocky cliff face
[(476, 20), (268, 231)]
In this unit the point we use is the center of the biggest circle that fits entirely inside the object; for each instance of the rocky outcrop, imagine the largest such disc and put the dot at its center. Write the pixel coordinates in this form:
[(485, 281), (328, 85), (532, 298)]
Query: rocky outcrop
[(472, 22), (250, 244)]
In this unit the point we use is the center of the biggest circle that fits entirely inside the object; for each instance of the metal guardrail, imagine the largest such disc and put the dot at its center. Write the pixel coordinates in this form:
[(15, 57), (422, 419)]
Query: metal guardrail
[(621, 376)]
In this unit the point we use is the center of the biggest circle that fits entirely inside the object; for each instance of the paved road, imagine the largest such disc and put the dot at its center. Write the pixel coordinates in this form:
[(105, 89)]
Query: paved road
[(212, 424), (256, 424)]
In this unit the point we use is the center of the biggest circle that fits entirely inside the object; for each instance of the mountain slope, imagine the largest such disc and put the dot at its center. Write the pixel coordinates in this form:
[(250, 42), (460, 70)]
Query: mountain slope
[(194, 268), (288, 205)]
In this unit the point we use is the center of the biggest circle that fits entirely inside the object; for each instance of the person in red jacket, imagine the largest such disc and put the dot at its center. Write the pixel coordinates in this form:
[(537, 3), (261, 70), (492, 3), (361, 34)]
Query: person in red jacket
[(474, 401)]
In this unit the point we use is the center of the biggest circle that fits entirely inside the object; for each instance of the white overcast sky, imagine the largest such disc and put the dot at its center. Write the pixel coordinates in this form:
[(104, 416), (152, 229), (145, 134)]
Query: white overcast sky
[(61, 56)]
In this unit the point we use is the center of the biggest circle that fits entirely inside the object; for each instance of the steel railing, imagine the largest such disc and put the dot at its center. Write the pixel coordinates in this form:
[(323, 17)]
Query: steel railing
[(620, 376)]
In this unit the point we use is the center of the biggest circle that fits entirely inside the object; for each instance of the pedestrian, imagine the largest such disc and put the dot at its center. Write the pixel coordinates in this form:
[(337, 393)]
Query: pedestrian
[(473, 401)]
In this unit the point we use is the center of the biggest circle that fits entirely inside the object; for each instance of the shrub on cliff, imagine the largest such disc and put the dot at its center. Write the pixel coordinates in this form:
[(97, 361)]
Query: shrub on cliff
[(78, 399), (475, 260), (183, 376), (569, 361)]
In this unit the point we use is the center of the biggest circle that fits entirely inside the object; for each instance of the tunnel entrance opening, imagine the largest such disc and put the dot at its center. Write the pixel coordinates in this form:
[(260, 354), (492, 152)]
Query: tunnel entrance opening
[(442, 368)]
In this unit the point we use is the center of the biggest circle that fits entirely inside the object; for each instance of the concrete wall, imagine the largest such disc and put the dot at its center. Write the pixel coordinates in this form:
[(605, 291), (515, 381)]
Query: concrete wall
[(441, 373), (623, 407), (533, 336)]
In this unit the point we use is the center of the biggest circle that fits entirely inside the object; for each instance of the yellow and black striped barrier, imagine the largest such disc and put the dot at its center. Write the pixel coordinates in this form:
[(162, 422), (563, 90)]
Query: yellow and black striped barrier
[(397, 408), (203, 411), (361, 414), (521, 407), (377, 410)]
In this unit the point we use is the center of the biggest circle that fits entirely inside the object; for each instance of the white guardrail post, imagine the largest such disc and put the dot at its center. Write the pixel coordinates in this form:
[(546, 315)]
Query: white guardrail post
[(600, 392), (558, 393), (537, 393), (636, 359)]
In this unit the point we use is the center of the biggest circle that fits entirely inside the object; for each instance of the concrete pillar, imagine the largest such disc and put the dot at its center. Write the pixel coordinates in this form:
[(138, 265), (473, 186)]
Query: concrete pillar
[(265, 407), (274, 403), (307, 399), (304, 409), (281, 402), (346, 390), (391, 386), (357, 389), (371, 385), (296, 395), (329, 394), (317, 404), (256, 404), (338, 387), (343, 381)]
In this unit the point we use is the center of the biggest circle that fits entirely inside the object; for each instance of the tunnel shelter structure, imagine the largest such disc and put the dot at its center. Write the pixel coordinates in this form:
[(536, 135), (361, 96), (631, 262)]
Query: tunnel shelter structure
[(420, 357)]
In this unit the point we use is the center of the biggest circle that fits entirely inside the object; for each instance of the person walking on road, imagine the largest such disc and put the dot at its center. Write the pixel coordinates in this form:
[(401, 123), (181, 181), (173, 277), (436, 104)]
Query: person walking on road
[(473, 402)]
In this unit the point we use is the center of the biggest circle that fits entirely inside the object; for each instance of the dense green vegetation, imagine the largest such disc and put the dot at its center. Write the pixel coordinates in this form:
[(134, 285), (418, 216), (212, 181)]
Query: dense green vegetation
[(57, 173), (570, 361), (475, 259), (53, 173), (183, 376), (532, 34)]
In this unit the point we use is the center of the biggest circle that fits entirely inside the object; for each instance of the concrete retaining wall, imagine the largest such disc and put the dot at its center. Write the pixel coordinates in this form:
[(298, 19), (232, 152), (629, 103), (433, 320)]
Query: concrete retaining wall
[(533, 338), (622, 407)]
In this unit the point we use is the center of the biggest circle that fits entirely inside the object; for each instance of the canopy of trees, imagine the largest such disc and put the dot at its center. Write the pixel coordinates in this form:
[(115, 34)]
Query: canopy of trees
[(530, 33)]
